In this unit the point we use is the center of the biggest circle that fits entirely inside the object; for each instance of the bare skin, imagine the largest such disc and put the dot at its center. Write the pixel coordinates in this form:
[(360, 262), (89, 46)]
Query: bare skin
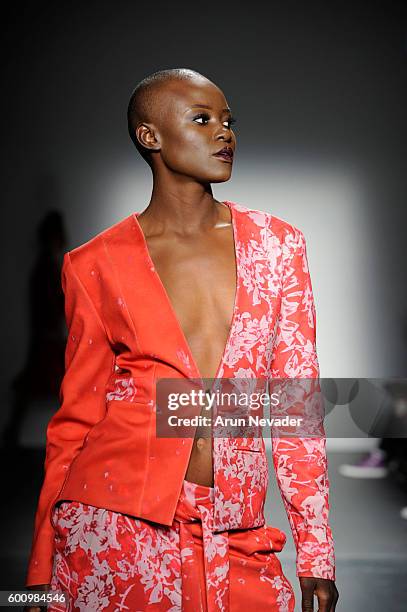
[(200, 266), (190, 240), (189, 233)]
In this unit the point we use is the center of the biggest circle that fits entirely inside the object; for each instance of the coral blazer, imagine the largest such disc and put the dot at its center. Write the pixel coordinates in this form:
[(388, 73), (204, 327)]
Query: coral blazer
[(101, 446)]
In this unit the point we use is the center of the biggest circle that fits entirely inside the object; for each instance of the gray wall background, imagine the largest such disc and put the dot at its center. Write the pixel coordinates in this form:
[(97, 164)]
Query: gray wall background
[(319, 91)]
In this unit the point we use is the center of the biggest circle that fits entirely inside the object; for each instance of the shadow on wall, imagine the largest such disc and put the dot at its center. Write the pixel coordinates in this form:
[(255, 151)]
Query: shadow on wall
[(41, 375)]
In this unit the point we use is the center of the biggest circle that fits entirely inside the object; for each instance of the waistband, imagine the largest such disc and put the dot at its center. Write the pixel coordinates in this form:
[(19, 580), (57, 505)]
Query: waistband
[(194, 513), (196, 493)]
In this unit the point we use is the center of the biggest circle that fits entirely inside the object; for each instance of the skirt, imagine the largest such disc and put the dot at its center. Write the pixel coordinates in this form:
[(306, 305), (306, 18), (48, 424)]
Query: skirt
[(109, 561)]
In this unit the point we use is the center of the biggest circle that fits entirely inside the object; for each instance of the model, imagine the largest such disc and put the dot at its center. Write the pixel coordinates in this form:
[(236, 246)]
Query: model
[(191, 288)]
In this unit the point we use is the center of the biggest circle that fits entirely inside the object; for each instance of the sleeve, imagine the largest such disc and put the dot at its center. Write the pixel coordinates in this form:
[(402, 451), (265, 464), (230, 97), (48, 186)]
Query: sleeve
[(89, 361), (300, 463)]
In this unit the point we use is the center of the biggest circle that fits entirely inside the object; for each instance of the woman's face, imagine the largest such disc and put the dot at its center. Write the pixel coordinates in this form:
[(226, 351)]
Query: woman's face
[(195, 125)]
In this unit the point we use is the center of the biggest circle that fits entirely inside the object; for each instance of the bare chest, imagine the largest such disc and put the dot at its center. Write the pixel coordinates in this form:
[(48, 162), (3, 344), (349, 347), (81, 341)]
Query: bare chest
[(199, 278)]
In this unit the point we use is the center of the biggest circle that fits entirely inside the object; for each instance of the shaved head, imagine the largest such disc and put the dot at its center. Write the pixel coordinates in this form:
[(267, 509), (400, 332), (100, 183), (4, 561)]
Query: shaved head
[(146, 103)]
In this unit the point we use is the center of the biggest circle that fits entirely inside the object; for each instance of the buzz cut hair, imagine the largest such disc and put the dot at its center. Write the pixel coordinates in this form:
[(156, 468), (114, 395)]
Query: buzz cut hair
[(143, 100)]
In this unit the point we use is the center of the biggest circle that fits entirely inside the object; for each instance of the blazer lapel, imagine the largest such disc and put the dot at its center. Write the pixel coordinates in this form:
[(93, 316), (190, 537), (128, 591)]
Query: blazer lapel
[(157, 333)]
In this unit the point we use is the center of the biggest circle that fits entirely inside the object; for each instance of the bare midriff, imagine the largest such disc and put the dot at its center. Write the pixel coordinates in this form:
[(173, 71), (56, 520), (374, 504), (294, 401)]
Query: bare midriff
[(200, 467), (199, 277)]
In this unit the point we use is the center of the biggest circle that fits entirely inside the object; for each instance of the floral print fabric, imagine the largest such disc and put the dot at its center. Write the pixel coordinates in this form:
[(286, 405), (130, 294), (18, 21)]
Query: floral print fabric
[(274, 337), (109, 561)]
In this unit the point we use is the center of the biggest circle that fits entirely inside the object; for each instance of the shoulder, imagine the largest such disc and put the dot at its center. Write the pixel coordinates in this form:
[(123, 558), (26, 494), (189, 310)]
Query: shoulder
[(94, 249), (277, 227)]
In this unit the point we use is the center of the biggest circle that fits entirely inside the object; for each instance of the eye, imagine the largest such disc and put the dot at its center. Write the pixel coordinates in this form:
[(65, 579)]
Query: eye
[(230, 121), (203, 116)]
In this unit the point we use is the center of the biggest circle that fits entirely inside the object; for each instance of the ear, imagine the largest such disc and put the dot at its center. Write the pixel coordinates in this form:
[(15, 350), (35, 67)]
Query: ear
[(148, 136)]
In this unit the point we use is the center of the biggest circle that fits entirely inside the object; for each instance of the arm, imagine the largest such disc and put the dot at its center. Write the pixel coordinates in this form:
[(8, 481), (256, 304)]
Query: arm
[(89, 361), (300, 462)]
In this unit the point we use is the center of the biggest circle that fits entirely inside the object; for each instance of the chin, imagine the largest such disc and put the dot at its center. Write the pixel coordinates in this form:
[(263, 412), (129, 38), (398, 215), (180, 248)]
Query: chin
[(220, 180), (219, 177)]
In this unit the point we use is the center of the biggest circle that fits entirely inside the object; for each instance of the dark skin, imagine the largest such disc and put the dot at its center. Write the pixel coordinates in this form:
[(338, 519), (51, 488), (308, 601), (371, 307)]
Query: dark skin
[(189, 234), (190, 240)]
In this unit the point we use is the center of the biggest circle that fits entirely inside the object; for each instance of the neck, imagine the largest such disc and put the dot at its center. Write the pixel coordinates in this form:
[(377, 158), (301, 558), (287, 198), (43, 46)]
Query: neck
[(184, 205)]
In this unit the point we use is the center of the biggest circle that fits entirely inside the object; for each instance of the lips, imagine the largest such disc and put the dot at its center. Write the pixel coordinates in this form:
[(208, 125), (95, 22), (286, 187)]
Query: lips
[(226, 153)]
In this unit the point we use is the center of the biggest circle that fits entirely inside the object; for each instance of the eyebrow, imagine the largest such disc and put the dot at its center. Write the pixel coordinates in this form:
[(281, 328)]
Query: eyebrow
[(209, 107)]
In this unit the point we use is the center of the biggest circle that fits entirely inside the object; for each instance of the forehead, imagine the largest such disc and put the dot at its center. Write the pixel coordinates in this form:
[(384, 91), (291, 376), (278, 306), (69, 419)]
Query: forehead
[(183, 94)]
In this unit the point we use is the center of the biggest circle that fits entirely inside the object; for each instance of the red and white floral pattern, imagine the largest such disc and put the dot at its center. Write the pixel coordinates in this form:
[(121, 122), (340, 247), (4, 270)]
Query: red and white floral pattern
[(273, 277), (107, 561)]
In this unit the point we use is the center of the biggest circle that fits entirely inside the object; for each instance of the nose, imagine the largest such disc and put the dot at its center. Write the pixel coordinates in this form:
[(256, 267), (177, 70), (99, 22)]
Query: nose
[(223, 133)]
